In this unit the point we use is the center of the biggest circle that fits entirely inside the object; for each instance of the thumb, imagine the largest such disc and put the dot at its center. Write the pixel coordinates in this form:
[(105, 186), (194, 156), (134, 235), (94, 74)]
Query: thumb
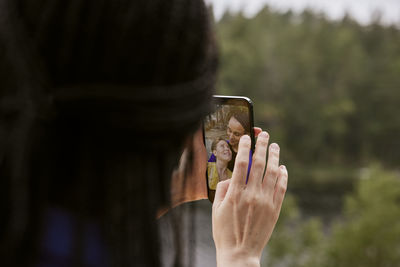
[(222, 188)]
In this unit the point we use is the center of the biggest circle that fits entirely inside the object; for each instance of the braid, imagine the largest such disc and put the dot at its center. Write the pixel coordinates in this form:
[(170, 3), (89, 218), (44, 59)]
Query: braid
[(97, 99), (18, 98)]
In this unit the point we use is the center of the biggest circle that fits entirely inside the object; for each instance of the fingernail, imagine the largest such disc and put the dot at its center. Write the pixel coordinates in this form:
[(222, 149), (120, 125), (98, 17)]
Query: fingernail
[(263, 134), (283, 167), (245, 137), (274, 146)]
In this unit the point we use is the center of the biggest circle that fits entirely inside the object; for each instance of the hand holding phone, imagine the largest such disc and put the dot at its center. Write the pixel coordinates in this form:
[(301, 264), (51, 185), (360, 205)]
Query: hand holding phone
[(245, 214), (193, 186)]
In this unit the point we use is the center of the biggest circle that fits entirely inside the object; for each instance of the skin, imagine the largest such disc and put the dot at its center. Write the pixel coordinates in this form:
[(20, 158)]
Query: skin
[(243, 215), (234, 130), (195, 186), (223, 154)]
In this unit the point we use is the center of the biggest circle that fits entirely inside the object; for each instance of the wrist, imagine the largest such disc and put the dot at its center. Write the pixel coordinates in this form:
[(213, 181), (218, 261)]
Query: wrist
[(234, 259)]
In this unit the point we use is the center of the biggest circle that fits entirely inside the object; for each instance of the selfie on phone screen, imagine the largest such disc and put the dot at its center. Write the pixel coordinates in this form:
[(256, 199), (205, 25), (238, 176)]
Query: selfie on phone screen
[(223, 129)]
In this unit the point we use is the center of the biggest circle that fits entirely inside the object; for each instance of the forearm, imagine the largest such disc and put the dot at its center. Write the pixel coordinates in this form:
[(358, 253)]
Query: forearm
[(238, 263), (232, 260)]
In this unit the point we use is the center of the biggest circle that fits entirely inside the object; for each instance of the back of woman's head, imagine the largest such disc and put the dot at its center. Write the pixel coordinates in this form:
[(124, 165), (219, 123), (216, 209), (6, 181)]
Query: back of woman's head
[(96, 101)]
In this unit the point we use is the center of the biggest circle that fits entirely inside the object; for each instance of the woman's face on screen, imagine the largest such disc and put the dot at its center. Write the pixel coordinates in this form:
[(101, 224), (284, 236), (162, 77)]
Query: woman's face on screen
[(234, 130)]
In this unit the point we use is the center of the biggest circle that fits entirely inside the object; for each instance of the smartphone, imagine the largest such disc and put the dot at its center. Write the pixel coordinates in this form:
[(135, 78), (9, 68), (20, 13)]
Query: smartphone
[(231, 118)]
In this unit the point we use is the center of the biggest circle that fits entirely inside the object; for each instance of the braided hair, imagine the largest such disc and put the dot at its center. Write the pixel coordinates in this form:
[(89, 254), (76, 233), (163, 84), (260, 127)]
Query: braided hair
[(97, 98)]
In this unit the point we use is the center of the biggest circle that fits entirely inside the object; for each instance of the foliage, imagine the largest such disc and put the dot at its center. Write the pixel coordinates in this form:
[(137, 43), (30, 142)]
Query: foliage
[(370, 232), (326, 91), (329, 93), (294, 243), (368, 235)]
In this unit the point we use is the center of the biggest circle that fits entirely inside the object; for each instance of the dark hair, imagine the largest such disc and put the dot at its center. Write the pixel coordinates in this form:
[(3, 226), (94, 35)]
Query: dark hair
[(96, 101), (243, 119)]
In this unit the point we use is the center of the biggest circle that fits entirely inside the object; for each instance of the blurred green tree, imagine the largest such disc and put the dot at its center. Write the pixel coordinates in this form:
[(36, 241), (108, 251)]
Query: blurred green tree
[(327, 88), (369, 234), (294, 243), (329, 93)]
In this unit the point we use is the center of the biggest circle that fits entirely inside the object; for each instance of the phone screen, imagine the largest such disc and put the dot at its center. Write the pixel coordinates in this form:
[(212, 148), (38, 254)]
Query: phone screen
[(231, 119)]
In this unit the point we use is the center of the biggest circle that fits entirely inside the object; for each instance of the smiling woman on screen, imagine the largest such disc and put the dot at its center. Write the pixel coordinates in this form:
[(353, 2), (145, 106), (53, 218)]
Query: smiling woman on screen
[(218, 171)]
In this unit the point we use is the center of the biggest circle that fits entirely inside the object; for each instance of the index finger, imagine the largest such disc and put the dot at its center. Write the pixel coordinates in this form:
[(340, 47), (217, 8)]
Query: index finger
[(257, 131), (241, 163)]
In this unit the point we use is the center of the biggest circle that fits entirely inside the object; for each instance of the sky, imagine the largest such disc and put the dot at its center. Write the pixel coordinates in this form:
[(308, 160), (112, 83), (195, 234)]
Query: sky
[(361, 10)]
